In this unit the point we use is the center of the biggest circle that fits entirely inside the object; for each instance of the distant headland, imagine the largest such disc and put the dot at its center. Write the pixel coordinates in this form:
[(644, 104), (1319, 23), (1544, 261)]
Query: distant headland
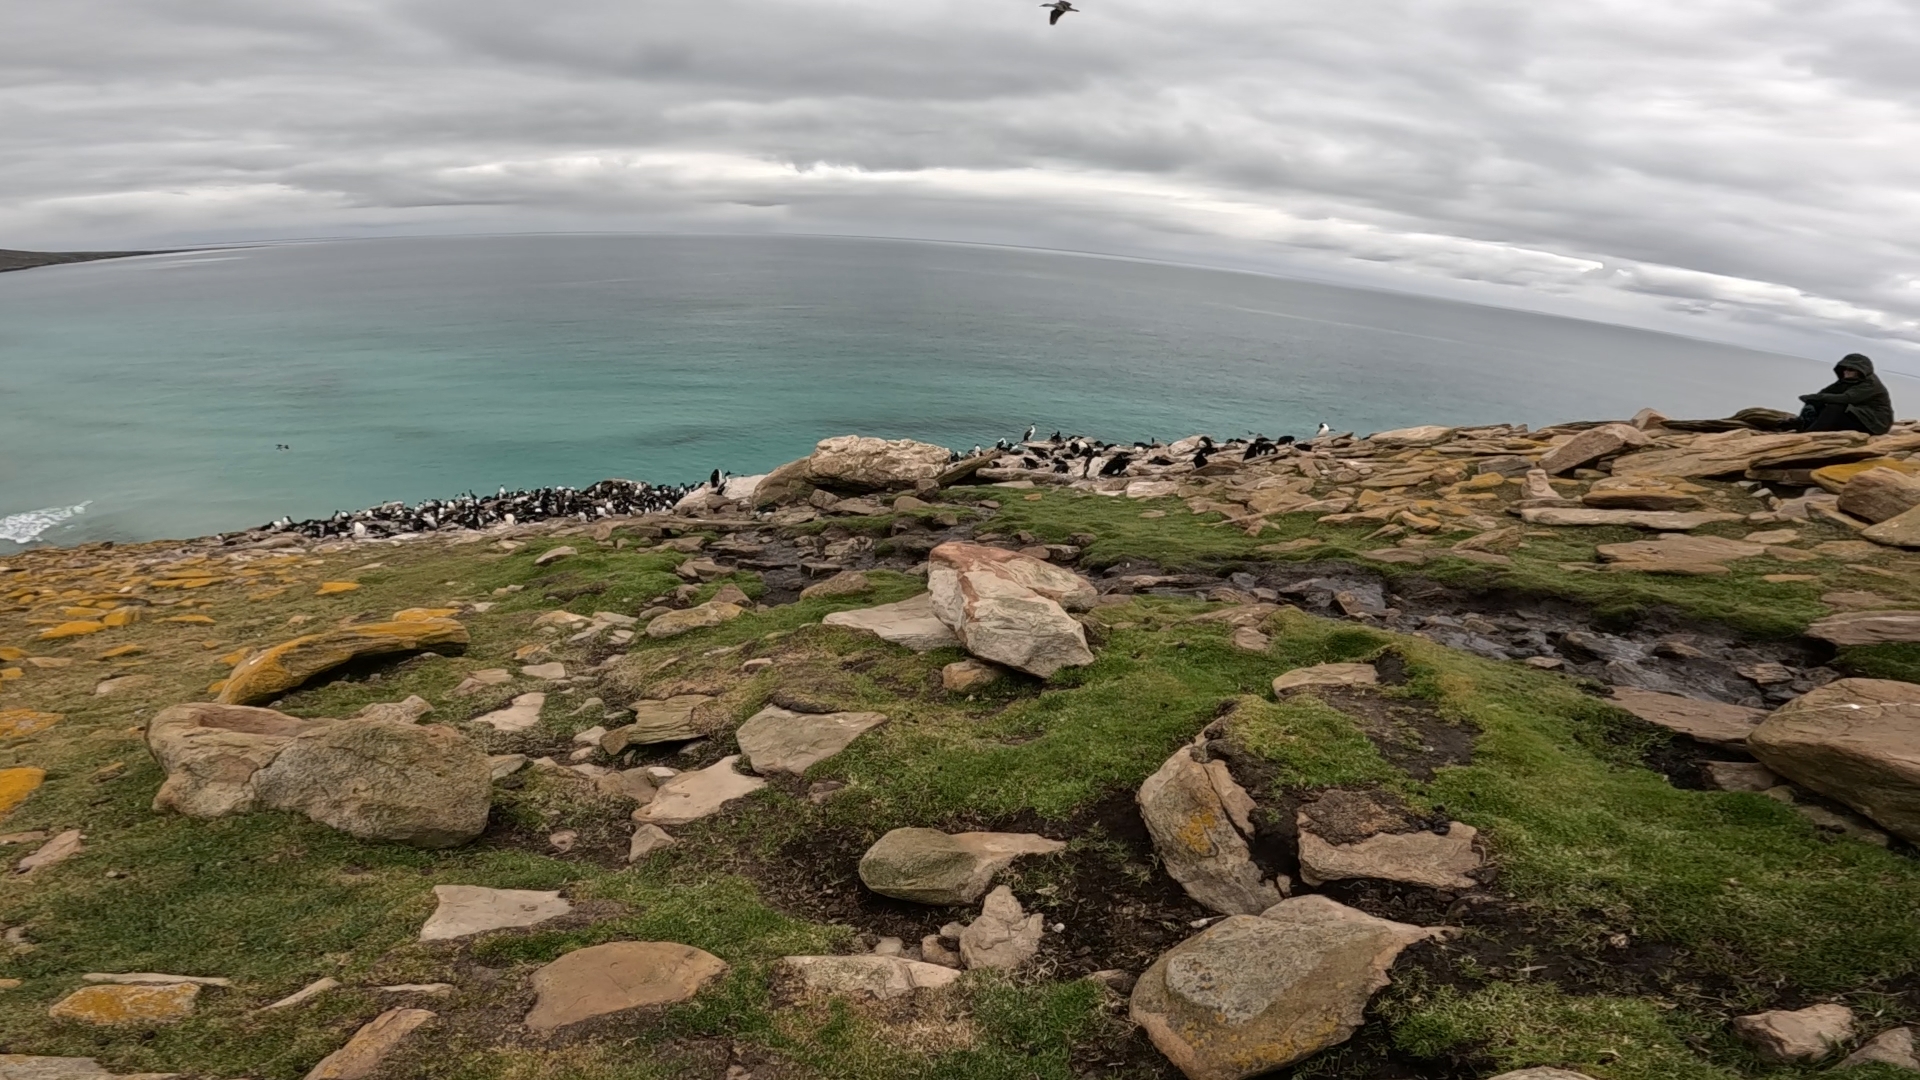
[(28, 260)]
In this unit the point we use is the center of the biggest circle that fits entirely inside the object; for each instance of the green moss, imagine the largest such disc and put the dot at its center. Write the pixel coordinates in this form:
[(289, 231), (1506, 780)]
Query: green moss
[(1894, 660), (1314, 744)]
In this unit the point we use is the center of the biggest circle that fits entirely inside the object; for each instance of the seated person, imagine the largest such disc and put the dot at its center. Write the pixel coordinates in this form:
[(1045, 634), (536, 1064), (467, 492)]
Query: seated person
[(1857, 401)]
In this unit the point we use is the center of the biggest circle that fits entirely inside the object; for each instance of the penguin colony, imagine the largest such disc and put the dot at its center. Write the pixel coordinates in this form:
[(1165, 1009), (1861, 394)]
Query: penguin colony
[(1074, 456)]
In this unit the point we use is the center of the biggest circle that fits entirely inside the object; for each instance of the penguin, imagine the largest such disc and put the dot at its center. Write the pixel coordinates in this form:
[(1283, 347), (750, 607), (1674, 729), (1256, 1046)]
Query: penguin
[(1325, 429), (1028, 437), (1117, 466)]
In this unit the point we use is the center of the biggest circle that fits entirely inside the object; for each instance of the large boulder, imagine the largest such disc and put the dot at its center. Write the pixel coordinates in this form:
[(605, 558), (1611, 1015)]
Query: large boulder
[(1010, 608), (928, 866), (1856, 741), (267, 674), (1591, 445), (855, 464), (425, 785), (1254, 993), (775, 740), (1197, 814), (1878, 494)]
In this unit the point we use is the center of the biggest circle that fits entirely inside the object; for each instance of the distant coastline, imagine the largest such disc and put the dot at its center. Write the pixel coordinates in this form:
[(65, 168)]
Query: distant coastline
[(28, 260)]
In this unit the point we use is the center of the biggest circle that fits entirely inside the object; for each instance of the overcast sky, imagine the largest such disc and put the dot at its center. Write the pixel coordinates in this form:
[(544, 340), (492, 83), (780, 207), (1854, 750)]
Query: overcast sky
[(1740, 169)]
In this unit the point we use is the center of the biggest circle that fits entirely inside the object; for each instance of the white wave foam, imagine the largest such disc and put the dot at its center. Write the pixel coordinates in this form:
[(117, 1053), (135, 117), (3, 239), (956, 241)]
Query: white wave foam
[(26, 528)]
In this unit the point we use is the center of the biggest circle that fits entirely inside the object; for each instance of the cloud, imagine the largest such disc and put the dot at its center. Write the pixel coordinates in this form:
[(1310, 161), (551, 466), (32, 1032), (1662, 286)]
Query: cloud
[(1741, 167)]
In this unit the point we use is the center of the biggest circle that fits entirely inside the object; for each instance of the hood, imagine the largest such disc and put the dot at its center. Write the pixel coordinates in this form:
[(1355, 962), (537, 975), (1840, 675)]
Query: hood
[(1857, 362)]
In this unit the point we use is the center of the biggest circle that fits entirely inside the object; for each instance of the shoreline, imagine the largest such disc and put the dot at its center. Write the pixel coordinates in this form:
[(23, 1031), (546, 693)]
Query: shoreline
[(13, 259)]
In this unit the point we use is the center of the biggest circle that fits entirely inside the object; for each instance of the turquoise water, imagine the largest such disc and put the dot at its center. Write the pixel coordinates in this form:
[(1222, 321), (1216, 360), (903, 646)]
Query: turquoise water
[(153, 391)]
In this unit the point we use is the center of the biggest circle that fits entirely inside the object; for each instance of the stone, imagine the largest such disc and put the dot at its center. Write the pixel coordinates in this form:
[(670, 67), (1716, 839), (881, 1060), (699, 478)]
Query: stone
[(1255, 993), (1684, 550), (1004, 936), (656, 721), (425, 785), (519, 716), (1901, 530), (106, 687), (19, 723), (1643, 493), (1426, 435), (466, 910), (1423, 857), (617, 976), (862, 464), (966, 676), (33, 1067), (1848, 550), (1713, 722), (844, 583), (774, 740), (698, 793), (1247, 639), (700, 617), (882, 978), (1010, 608), (927, 866), (400, 712), (1800, 1035), (131, 1005), (1591, 445), (1327, 675), (1198, 841), (438, 989), (1834, 478), (549, 672), (1726, 454), (1738, 776), (305, 994), (1892, 1047), (18, 783), (1856, 741), (370, 1046), (271, 672), (648, 839), (1545, 1072), (1878, 494), (934, 951), (634, 784), (62, 847), (151, 978), (1867, 627), (480, 680), (1660, 520), (552, 555), (910, 623)]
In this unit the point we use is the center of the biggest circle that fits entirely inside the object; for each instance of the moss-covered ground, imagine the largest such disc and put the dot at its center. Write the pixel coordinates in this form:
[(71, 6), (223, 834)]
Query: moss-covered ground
[(1634, 917)]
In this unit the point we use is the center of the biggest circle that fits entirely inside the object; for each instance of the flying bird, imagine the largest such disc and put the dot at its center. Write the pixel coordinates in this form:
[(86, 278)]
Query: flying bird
[(1060, 7)]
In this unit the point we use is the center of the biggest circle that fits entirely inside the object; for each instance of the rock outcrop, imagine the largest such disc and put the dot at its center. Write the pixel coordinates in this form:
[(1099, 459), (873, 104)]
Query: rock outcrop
[(271, 672), (928, 866), (1010, 608), (425, 785), (1856, 741), (1254, 993), (1190, 810), (854, 464)]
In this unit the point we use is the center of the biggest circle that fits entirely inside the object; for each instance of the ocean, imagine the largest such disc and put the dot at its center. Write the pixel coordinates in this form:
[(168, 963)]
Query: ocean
[(146, 398)]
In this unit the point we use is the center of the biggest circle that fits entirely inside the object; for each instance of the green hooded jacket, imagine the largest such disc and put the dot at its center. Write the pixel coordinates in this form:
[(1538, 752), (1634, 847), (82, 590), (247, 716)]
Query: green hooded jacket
[(1866, 398)]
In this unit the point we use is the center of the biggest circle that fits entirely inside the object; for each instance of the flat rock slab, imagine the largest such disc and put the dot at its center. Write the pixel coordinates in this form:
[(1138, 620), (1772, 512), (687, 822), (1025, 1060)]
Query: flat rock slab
[(844, 583), (1195, 815), (370, 1046), (618, 976), (690, 796), (928, 866), (134, 1005), (271, 672), (59, 849), (519, 716), (774, 740), (1798, 1035), (659, 720), (710, 614), (151, 978), (1714, 722), (1327, 675), (1893, 1047), (879, 977), (1854, 740), (1868, 627), (909, 623), (1545, 1072), (1418, 858), (1661, 520), (474, 909), (34, 1067), (1681, 549), (1254, 993)]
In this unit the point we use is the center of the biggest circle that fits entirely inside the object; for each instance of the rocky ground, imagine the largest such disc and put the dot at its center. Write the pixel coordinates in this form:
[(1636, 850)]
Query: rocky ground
[(1441, 753)]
